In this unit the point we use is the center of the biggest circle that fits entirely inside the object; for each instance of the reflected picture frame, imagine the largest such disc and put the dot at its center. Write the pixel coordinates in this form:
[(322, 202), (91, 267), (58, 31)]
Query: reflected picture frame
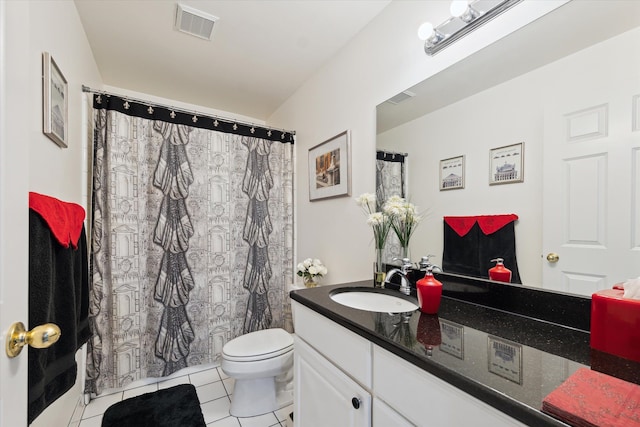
[(54, 102), (505, 359), (452, 341), (330, 168), (452, 173), (506, 164)]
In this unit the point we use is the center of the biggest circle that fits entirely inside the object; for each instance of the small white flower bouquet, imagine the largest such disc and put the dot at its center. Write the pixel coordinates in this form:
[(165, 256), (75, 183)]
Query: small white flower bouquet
[(311, 270)]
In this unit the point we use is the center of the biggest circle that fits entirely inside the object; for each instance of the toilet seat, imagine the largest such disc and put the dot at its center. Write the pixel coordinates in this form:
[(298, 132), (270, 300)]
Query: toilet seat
[(259, 345)]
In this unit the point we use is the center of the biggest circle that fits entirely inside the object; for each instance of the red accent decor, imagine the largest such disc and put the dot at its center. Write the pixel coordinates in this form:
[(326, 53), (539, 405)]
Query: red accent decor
[(428, 332), (500, 273), (489, 224), (615, 324), (593, 399), (64, 219), (460, 224), (429, 291)]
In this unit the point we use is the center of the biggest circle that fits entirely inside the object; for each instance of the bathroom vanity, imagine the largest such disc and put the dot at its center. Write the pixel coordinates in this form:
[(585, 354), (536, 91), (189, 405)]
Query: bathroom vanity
[(488, 358)]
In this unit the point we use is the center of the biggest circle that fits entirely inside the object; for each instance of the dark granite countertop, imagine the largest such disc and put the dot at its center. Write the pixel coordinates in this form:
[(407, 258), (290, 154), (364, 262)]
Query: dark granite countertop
[(507, 345)]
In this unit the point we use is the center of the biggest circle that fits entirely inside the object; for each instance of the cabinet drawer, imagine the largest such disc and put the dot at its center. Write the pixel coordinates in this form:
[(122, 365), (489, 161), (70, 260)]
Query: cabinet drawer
[(427, 400), (342, 347)]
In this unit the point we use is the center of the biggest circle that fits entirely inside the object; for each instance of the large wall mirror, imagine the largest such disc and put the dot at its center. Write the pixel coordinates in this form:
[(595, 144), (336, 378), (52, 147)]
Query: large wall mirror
[(568, 87)]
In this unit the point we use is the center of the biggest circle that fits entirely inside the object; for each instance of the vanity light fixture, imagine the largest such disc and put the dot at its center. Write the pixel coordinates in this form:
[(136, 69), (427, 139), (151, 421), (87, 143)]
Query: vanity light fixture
[(466, 16)]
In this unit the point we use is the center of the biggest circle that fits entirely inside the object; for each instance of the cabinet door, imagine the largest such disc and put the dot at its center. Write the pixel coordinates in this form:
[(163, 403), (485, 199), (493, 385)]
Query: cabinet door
[(324, 395), (385, 416)]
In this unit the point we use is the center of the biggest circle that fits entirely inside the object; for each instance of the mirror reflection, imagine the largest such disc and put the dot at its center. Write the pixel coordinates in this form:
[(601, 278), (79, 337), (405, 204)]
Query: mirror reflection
[(567, 87)]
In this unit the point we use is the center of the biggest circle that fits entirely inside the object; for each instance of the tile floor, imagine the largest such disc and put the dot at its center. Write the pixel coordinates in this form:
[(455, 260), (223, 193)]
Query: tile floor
[(214, 391)]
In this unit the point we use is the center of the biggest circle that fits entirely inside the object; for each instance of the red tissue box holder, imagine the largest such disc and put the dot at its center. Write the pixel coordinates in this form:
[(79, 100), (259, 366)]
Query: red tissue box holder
[(615, 324)]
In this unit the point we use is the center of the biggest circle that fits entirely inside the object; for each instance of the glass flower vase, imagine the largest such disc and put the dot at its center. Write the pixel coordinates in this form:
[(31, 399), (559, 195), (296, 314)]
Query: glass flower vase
[(311, 281), (404, 252), (379, 273)]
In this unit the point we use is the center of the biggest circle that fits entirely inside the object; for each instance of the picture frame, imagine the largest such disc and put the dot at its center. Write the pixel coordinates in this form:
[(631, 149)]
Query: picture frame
[(506, 164), (505, 359), (452, 338), (452, 173), (54, 101), (330, 168)]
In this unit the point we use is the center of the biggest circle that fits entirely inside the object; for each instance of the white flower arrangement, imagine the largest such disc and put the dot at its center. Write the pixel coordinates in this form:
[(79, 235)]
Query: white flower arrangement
[(380, 222), (404, 218), (311, 269)]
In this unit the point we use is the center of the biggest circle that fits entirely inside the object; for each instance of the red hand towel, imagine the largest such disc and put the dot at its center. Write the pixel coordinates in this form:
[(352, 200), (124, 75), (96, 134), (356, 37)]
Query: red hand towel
[(489, 224), (592, 399), (460, 224), (64, 219)]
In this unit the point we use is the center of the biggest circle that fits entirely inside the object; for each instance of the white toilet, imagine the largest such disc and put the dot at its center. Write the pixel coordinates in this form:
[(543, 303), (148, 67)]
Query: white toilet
[(261, 363)]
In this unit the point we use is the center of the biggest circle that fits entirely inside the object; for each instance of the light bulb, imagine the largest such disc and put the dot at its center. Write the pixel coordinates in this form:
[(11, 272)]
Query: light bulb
[(425, 31), (458, 8)]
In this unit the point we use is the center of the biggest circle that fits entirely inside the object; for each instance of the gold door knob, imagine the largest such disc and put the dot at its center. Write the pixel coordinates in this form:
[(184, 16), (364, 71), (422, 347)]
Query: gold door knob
[(553, 257), (42, 336)]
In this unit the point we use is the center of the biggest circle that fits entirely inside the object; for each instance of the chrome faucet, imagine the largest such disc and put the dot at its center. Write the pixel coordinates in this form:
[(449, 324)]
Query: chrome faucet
[(403, 271), (425, 263)]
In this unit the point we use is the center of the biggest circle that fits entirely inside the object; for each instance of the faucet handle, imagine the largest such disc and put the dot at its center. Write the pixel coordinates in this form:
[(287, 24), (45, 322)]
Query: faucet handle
[(406, 265), (424, 262)]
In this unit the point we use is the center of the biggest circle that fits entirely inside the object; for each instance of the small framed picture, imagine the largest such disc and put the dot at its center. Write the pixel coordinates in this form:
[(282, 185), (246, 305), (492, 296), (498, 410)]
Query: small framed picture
[(452, 173), (330, 168), (506, 164), (54, 101), (452, 338), (505, 359)]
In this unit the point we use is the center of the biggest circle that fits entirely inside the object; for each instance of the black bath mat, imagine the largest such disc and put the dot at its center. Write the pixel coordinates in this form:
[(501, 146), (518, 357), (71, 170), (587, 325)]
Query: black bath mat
[(171, 407)]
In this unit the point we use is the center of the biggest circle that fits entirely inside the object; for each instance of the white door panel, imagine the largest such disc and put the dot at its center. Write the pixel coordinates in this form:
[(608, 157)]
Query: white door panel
[(14, 219), (591, 194)]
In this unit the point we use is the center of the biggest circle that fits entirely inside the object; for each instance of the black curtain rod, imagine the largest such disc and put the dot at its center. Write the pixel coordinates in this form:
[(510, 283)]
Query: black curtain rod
[(397, 153), (182, 110)]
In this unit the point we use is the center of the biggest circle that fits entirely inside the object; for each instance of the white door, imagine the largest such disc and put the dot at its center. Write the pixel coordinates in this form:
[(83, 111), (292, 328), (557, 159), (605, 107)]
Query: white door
[(14, 218), (325, 396), (591, 191)]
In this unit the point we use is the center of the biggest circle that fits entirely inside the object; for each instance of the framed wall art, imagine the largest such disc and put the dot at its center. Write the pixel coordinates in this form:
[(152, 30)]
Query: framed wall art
[(506, 164), (452, 173), (54, 101), (330, 168), (505, 359)]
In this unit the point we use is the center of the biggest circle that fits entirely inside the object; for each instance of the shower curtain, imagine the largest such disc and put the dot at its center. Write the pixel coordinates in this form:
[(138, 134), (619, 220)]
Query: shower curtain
[(390, 181), (192, 238)]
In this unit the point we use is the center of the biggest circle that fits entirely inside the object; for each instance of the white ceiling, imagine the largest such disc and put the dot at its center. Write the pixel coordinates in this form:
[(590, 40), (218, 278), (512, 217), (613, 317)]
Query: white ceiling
[(260, 53)]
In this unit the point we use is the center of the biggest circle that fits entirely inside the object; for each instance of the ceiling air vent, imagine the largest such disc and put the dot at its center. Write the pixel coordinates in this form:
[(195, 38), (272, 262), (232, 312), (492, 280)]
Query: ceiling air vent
[(402, 96), (194, 22)]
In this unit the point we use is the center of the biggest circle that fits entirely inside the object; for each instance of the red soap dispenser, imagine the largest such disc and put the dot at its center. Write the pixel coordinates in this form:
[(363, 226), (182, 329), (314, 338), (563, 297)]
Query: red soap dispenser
[(429, 292), (499, 272)]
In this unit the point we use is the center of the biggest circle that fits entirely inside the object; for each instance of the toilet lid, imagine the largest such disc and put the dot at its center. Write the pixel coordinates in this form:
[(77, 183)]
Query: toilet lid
[(258, 345)]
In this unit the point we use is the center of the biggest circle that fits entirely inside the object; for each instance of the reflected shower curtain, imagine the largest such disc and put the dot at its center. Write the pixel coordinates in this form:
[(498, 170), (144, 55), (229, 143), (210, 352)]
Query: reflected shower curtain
[(390, 181), (191, 238)]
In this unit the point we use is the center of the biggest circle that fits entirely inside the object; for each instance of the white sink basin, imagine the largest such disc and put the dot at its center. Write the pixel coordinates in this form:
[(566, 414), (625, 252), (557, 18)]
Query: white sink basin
[(371, 300)]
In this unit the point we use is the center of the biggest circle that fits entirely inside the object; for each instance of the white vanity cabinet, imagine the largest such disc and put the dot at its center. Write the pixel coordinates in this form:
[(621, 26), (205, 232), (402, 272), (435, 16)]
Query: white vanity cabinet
[(325, 395), (425, 400), (337, 370), (385, 416)]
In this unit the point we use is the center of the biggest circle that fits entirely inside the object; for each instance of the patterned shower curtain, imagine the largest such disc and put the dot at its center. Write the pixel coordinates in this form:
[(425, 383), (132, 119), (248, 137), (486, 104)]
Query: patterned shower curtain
[(390, 181), (192, 238)]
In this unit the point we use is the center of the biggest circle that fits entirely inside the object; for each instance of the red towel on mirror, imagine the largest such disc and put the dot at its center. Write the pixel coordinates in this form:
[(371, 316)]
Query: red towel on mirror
[(592, 399), (65, 220), (489, 224)]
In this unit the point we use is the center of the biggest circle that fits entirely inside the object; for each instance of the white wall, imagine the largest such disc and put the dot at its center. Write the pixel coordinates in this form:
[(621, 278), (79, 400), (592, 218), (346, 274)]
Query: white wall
[(43, 166), (382, 60)]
